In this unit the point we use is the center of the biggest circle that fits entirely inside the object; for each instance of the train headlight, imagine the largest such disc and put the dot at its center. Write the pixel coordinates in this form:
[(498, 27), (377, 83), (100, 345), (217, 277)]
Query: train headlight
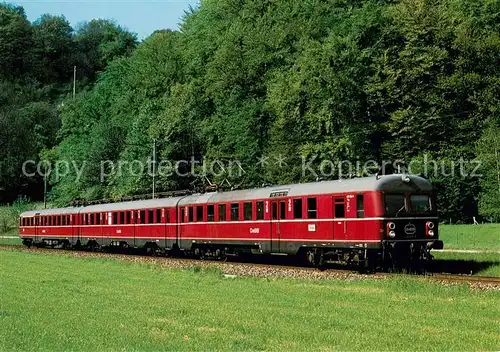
[(429, 229), (391, 225), (392, 234)]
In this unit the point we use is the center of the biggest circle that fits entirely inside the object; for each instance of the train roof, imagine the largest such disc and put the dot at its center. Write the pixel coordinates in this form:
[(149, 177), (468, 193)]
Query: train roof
[(387, 183)]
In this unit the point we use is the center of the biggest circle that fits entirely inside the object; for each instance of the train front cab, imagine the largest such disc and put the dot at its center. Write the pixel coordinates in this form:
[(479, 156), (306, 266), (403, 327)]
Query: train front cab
[(410, 227)]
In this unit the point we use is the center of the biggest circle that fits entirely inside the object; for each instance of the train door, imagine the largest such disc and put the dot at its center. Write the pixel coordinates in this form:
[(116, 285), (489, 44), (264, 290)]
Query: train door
[(72, 222), (339, 221), (180, 220), (278, 213), (36, 221), (133, 222)]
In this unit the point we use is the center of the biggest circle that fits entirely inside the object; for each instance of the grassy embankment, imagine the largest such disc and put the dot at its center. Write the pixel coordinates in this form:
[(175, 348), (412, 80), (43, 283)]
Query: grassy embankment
[(471, 237), (58, 303)]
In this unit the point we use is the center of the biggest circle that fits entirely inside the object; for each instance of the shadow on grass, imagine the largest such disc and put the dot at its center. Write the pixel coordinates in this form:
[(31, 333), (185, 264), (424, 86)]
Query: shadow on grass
[(457, 266)]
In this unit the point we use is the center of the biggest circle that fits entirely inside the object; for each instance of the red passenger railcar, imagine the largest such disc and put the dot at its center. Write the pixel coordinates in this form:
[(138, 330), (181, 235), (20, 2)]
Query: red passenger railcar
[(382, 218)]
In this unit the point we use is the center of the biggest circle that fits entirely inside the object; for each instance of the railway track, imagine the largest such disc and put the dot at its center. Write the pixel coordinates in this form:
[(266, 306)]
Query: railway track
[(266, 269)]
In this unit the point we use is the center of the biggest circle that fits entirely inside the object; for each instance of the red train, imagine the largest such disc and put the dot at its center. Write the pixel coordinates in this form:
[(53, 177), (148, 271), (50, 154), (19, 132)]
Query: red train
[(374, 220)]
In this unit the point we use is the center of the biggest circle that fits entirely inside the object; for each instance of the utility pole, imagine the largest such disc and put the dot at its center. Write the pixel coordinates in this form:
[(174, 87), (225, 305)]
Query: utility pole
[(154, 166), (74, 81)]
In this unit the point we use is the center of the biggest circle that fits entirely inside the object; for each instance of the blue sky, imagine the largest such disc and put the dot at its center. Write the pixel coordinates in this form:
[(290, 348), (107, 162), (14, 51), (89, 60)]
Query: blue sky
[(141, 17)]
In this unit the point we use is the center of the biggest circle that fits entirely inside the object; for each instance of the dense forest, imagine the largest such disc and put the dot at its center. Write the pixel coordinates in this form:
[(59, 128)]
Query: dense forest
[(261, 87)]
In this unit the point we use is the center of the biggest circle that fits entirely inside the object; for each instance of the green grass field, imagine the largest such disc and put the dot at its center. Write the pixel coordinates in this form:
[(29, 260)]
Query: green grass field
[(483, 237), (54, 302)]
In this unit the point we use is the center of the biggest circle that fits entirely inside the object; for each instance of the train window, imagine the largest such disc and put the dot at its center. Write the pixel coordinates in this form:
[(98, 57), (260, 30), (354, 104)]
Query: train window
[(158, 216), (222, 212), (311, 208), (190, 214), (210, 212), (128, 217), (151, 216), (235, 210), (122, 217), (199, 213), (360, 206), (63, 223), (275, 210), (115, 218), (394, 204), (282, 210), (420, 203), (181, 215), (339, 208), (260, 210), (297, 208), (142, 217), (247, 211)]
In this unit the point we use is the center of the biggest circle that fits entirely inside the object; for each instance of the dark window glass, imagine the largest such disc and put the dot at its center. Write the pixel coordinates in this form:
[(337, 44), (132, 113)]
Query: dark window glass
[(63, 220), (282, 210), (210, 212), (128, 217), (151, 216), (260, 210), (158, 216), (394, 204), (235, 208), (247, 211), (297, 208), (420, 203), (339, 208), (222, 212), (311, 208), (275, 210), (115, 218), (199, 213), (182, 215), (142, 217), (190, 214), (122, 217), (360, 206), (90, 218)]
